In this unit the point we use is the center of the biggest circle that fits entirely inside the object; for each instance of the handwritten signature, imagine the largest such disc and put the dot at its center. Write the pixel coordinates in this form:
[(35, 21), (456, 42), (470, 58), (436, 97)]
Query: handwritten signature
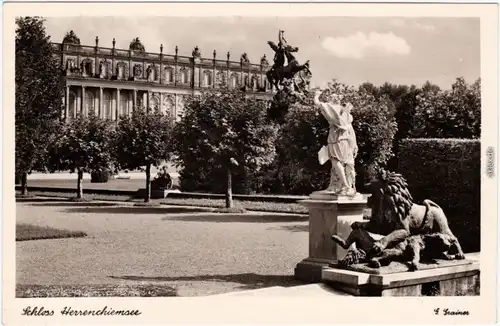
[(449, 312)]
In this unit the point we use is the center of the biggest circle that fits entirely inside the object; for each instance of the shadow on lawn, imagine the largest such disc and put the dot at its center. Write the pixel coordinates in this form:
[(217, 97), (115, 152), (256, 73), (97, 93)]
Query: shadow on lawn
[(249, 281), (137, 210), (40, 200), (75, 204), (292, 228), (238, 218)]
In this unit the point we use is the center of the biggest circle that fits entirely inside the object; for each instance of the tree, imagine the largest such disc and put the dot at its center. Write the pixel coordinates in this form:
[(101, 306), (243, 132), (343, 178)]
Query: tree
[(71, 38), (136, 45), (430, 87), (39, 92), (229, 130), (85, 147), (143, 140)]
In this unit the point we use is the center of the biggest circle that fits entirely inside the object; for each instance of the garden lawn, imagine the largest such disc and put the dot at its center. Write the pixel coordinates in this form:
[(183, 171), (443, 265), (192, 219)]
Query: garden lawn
[(94, 290), (257, 206), (195, 253), (26, 232)]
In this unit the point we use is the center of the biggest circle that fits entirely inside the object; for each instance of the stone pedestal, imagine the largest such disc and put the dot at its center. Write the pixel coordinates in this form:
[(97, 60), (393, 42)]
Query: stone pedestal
[(328, 214), (446, 278)]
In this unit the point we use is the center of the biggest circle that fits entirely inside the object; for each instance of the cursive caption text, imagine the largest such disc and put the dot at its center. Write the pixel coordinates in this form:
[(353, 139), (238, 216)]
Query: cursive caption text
[(69, 311)]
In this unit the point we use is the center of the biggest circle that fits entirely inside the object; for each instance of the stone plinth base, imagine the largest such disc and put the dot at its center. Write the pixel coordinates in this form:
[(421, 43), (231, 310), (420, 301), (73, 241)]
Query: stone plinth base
[(328, 214), (449, 278), (155, 194), (310, 270)]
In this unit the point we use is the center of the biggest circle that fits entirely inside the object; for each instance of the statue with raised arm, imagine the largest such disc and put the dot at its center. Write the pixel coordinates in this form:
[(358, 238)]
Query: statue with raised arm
[(279, 52), (341, 148), (289, 78)]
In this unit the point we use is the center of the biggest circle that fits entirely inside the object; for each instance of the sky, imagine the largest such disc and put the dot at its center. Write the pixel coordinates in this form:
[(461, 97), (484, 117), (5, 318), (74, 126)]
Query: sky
[(352, 50)]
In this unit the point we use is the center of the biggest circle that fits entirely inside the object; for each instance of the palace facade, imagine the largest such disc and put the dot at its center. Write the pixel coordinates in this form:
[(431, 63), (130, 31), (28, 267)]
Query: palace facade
[(111, 81)]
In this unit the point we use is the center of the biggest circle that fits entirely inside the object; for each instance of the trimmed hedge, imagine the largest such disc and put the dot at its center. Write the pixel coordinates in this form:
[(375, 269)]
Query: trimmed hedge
[(448, 172)]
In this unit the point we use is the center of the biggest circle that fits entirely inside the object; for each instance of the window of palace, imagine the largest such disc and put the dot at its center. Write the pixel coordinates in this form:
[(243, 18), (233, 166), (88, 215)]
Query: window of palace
[(123, 105), (184, 77), (169, 75), (87, 66), (120, 71), (154, 103), (255, 82), (168, 106), (207, 79), (234, 81), (72, 105), (107, 106), (151, 73), (89, 102)]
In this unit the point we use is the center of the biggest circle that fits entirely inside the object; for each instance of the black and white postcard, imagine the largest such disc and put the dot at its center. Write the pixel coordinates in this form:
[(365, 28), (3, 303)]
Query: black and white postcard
[(249, 162)]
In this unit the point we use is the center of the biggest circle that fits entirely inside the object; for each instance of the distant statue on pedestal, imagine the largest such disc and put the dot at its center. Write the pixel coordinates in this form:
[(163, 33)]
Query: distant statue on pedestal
[(341, 148), (149, 73), (196, 52), (103, 69)]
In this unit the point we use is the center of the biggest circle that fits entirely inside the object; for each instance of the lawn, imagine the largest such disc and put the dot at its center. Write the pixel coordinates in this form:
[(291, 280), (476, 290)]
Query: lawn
[(248, 205), (116, 184), (26, 232), (213, 203), (94, 290)]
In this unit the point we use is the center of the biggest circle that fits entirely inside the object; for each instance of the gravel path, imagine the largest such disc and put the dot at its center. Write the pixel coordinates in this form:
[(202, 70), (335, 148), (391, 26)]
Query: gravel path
[(197, 253)]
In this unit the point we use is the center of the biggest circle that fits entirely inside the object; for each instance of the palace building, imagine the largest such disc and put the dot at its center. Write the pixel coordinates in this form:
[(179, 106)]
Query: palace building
[(111, 81)]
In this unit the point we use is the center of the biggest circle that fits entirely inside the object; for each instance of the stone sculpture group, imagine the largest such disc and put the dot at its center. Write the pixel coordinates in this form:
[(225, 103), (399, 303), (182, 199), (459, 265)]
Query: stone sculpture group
[(406, 231)]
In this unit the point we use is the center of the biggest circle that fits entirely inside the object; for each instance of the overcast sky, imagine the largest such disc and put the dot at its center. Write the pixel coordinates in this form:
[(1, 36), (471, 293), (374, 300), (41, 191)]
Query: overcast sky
[(350, 49)]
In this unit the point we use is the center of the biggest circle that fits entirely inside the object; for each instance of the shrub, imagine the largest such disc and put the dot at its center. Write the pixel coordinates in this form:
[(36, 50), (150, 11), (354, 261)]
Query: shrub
[(101, 176), (447, 171)]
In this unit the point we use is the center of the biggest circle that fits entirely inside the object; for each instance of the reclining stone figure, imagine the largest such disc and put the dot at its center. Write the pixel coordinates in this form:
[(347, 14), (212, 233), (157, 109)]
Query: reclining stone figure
[(395, 216), (412, 250)]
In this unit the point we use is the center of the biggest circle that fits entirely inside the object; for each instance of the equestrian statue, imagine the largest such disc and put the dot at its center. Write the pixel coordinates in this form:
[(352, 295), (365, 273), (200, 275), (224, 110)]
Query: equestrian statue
[(292, 77)]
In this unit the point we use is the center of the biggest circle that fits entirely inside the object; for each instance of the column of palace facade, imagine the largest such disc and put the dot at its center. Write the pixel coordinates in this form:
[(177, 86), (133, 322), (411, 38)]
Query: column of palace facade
[(111, 81)]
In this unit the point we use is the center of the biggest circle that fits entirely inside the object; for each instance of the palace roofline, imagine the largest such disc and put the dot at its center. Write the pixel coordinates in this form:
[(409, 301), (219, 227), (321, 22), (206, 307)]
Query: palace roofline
[(160, 56)]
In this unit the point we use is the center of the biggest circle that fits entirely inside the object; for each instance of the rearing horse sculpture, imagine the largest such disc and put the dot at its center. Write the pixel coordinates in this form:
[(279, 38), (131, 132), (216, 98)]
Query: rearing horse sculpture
[(278, 73)]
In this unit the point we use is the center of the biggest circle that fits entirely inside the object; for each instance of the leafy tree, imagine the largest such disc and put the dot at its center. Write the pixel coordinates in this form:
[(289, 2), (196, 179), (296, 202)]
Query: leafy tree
[(85, 147), (394, 92), (229, 130), (39, 91), (370, 89), (136, 45), (143, 140), (454, 113), (71, 38), (430, 87)]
